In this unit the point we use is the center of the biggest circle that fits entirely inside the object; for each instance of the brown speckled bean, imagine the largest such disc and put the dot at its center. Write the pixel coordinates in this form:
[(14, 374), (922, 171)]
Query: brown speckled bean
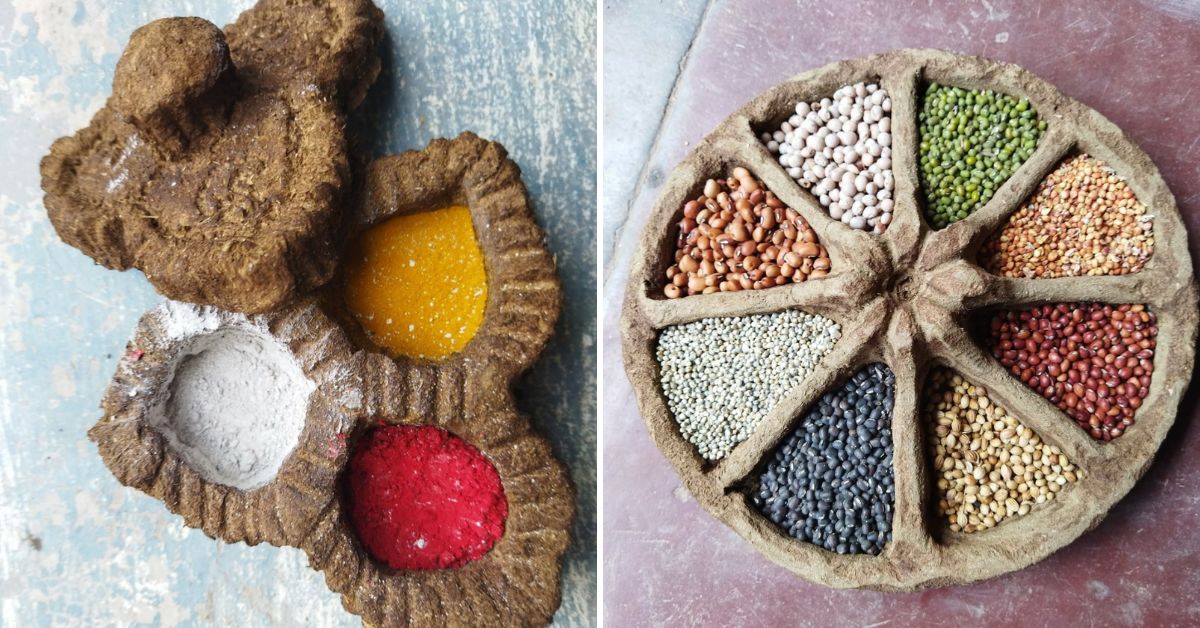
[(739, 236)]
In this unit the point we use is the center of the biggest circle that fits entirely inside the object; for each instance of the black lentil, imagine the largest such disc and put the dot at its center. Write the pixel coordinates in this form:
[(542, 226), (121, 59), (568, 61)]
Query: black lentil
[(831, 482)]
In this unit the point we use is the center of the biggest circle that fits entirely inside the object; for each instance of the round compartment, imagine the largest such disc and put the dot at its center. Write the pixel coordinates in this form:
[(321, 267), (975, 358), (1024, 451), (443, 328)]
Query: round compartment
[(503, 568), (434, 190), (233, 405), (908, 298), (231, 420), (174, 405), (506, 570)]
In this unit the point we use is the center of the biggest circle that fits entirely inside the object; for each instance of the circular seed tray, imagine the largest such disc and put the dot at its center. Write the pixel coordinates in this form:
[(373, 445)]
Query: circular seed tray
[(906, 298)]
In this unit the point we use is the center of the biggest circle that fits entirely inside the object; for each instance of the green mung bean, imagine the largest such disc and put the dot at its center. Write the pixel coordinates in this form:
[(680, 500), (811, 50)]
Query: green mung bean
[(971, 142)]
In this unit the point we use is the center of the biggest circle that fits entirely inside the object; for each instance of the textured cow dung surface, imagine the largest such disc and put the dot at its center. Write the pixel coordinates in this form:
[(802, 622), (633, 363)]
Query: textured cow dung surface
[(467, 394), (218, 167), (905, 298), (358, 386), (281, 512)]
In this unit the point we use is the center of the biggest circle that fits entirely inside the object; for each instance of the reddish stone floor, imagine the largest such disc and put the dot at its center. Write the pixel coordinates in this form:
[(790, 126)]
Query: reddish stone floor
[(667, 562)]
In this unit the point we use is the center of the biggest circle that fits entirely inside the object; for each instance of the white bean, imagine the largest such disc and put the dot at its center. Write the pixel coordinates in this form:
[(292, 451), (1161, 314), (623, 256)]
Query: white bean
[(838, 147)]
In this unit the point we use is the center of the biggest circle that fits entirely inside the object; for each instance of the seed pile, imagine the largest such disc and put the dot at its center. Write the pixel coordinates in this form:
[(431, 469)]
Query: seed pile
[(971, 142), (1092, 360), (990, 467), (739, 236), (840, 149), (831, 483), (722, 375), (1083, 220)]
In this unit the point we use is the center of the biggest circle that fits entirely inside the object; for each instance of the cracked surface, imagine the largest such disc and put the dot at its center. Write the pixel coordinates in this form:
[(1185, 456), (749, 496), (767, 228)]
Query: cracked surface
[(218, 166), (903, 298)]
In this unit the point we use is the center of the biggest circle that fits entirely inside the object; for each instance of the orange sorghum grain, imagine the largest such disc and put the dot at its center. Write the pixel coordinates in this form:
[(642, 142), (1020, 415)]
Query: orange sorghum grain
[(1082, 220)]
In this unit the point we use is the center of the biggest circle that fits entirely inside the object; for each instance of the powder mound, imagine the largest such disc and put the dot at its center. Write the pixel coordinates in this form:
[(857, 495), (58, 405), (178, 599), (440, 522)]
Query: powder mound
[(234, 406), (421, 498), (417, 283), (218, 166)]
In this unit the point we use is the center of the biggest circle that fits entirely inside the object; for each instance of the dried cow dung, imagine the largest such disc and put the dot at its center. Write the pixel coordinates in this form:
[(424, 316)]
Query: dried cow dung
[(218, 165), (182, 446), (905, 298), (467, 394)]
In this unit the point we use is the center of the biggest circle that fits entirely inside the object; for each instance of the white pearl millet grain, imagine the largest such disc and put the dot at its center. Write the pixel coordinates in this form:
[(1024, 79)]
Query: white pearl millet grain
[(721, 376)]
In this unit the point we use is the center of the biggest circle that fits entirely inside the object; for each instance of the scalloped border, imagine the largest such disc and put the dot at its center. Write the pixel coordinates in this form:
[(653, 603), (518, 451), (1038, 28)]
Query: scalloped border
[(518, 580), (283, 511), (524, 294)]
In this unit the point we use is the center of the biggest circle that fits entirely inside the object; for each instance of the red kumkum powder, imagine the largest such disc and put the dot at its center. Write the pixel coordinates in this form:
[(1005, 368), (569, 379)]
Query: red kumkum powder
[(421, 498)]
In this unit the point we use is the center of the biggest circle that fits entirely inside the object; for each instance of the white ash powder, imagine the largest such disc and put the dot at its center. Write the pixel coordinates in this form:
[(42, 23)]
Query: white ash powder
[(180, 320), (721, 376), (235, 402)]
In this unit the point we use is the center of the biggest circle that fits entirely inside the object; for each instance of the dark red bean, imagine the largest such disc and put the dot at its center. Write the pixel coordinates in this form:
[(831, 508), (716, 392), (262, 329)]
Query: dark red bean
[(1093, 361)]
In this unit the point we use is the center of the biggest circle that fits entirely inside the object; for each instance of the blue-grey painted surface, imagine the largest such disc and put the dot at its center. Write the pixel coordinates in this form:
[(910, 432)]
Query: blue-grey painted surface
[(76, 548)]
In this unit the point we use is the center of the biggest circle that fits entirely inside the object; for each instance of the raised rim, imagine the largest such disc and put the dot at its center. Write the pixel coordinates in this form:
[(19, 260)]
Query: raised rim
[(524, 295), (517, 581), (913, 327), (468, 394), (281, 512)]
